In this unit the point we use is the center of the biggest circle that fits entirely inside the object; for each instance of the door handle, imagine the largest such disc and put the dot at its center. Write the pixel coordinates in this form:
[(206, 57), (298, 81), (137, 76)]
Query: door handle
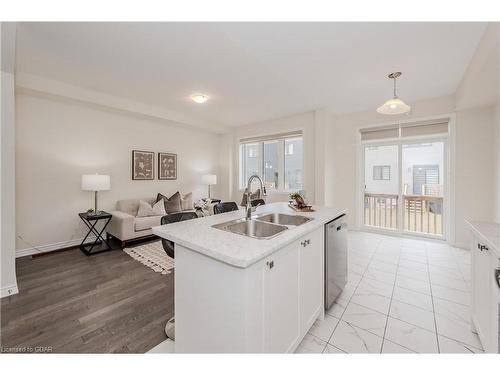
[(497, 276)]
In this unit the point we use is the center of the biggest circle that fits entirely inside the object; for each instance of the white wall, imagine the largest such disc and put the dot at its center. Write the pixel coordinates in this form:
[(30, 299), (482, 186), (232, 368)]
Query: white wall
[(476, 98), (496, 172), (7, 150), (474, 181), (496, 144), (478, 86), (59, 139)]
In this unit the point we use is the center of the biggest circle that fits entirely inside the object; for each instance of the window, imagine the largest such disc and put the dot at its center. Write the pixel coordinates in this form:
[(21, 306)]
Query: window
[(382, 172), (277, 160), (293, 164), (250, 157)]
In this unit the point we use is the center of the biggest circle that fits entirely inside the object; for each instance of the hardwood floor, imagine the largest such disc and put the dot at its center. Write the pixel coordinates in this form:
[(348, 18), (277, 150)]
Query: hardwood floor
[(72, 303)]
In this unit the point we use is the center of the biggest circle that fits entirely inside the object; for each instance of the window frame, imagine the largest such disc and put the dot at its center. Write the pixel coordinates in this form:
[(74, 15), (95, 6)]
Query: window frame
[(282, 154)]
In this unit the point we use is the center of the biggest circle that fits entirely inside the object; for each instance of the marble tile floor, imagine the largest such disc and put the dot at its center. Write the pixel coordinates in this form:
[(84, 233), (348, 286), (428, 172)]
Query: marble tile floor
[(403, 296)]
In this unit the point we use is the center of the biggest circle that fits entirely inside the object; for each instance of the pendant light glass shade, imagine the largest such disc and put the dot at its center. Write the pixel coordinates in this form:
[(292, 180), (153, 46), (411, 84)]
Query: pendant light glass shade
[(394, 106)]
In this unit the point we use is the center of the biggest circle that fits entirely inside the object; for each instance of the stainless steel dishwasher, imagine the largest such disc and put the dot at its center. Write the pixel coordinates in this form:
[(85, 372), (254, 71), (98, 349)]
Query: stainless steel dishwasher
[(335, 259)]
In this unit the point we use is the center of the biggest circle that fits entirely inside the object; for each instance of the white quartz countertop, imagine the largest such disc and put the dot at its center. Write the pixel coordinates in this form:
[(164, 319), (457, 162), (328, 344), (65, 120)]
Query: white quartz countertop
[(235, 249), (488, 232)]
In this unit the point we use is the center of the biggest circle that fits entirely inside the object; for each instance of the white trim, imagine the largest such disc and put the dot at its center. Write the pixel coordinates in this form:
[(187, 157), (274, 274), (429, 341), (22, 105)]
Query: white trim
[(50, 247), (451, 181), (8, 291), (360, 181)]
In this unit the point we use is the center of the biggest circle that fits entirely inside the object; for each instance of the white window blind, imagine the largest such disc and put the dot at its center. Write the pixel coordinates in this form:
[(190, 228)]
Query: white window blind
[(422, 129), (379, 133), (406, 130)]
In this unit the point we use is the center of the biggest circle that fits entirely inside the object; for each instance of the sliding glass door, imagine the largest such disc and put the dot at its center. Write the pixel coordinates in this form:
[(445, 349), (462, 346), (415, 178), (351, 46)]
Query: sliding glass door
[(404, 186)]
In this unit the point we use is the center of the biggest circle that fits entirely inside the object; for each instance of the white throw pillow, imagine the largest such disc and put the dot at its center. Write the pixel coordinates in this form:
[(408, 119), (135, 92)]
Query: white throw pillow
[(145, 209), (187, 201)]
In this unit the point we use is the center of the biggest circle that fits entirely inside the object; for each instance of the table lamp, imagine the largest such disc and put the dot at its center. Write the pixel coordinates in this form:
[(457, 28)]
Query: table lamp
[(209, 179), (96, 182)]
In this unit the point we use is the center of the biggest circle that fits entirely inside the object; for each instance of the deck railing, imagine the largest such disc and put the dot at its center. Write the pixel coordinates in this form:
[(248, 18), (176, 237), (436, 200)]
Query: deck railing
[(422, 214), (381, 210)]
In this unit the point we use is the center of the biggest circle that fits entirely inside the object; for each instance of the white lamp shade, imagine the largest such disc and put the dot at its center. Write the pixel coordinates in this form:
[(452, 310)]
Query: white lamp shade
[(209, 179), (394, 106), (96, 182)]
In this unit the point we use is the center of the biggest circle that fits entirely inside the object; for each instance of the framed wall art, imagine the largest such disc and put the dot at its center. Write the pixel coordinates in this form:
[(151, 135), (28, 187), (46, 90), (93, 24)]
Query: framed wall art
[(143, 165), (167, 166)]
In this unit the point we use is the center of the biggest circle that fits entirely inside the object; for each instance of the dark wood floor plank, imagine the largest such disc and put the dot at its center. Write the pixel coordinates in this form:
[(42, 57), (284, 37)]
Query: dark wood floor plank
[(78, 304)]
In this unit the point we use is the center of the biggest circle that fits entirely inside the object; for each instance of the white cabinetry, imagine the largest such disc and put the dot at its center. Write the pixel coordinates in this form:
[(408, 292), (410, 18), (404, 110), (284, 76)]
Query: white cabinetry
[(281, 302), (293, 292), (311, 254), (485, 294), (266, 307)]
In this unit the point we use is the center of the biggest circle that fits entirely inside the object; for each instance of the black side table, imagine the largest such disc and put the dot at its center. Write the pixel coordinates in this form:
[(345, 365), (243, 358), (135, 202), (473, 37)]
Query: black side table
[(90, 221)]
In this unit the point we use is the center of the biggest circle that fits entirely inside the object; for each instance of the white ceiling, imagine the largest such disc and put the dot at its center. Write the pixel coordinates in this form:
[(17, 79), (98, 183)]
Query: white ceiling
[(252, 71)]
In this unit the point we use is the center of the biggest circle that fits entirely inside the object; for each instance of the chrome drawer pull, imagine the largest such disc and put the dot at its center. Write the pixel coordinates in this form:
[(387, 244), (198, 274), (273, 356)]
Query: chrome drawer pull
[(497, 276)]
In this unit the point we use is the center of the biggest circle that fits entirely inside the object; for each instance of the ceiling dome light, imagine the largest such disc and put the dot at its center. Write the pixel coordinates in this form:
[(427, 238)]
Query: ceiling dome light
[(394, 106), (199, 98)]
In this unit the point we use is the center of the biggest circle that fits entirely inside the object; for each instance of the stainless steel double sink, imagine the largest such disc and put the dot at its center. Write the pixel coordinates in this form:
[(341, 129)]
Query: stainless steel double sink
[(263, 227)]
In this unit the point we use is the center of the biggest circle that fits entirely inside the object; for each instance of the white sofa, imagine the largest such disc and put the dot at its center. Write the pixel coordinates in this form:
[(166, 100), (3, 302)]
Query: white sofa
[(124, 224)]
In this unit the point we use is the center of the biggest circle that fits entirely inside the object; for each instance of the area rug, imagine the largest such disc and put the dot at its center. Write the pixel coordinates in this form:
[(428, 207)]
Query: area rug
[(153, 256)]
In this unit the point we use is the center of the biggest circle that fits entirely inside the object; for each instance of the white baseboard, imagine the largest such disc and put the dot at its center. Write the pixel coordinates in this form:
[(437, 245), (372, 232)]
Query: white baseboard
[(8, 291), (464, 246), (50, 247)]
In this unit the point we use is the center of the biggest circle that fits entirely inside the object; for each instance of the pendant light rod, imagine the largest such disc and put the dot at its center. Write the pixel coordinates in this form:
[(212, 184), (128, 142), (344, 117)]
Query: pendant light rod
[(394, 106), (394, 76)]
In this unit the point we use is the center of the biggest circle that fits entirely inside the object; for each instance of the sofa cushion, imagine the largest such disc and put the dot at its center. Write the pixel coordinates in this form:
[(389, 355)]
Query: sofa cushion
[(145, 209), (131, 206), (143, 223), (172, 204)]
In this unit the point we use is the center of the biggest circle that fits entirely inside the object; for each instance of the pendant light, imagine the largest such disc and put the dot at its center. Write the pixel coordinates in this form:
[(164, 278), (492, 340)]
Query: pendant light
[(394, 106)]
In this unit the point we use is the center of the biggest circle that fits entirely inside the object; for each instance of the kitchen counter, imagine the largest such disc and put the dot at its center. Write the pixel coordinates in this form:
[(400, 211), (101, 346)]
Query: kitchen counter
[(487, 232), (237, 250)]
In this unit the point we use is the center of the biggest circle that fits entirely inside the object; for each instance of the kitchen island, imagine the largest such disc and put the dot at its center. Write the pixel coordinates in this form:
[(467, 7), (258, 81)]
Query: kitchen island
[(235, 293)]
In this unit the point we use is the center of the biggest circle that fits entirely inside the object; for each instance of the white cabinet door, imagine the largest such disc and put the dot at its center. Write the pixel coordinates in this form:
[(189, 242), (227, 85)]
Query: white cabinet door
[(485, 296), (494, 304), (481, 289), (281, 300), (311, 277)]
